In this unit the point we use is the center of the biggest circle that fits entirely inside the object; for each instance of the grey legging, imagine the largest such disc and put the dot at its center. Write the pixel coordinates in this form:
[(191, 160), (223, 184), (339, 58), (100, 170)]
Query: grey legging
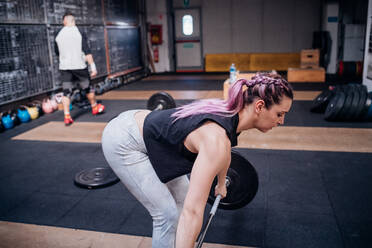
[(125, 152)]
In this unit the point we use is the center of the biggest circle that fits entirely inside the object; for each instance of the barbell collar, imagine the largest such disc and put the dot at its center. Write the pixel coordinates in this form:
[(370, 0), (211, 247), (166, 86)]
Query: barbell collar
[(159, 107)]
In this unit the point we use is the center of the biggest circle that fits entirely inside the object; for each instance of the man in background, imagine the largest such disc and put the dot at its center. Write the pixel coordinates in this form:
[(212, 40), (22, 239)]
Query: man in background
[(74, 54)]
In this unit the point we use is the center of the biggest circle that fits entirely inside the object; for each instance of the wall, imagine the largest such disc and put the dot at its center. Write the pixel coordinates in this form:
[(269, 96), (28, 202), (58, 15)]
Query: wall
[(241, 26), (262, 26), (157, 14), (331, 24), (367, 69)]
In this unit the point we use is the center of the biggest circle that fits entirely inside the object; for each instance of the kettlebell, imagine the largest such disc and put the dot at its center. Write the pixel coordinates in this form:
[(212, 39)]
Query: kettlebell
[(13, 115), (107, 84), (34, 114), (99, 88), (54, 104), (119, 82), (23, 114), (38, 105), (76, 97), (7, 121), (47, 106)]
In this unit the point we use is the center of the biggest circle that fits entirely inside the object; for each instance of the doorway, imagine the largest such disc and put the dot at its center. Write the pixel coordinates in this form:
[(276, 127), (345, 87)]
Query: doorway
[(188, 42)]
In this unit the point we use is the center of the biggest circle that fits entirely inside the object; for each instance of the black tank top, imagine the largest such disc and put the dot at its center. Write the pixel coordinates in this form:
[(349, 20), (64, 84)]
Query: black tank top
[(164, 140)]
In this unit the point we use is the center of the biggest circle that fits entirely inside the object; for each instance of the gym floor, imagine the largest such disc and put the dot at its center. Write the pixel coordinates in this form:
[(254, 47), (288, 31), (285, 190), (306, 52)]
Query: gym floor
[(315, 178)]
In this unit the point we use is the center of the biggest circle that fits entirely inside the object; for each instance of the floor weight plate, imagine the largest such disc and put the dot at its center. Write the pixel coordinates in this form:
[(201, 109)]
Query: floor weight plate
[(354, 103), (243, 184), (334, 107), (96, 178), (320, 103), (362, 101), (344, 113), (161, 100)]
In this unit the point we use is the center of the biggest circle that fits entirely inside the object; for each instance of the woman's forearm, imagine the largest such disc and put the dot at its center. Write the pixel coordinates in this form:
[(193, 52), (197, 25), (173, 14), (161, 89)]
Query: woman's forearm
[(222, 175), (189, 226)]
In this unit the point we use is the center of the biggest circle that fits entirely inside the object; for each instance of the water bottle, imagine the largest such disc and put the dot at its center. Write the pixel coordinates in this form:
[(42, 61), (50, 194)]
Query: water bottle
[(232, 73)]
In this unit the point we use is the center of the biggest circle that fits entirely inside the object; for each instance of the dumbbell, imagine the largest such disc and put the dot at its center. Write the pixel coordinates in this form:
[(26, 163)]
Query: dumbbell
[(161, 100)]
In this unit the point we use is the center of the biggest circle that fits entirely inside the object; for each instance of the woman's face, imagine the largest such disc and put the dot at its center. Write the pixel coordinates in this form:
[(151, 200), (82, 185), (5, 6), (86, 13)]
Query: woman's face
[(269, 118)]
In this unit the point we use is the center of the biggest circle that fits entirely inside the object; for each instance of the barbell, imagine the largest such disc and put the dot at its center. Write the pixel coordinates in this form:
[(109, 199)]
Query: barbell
[(241, 175), (161, 100), (241, 178)]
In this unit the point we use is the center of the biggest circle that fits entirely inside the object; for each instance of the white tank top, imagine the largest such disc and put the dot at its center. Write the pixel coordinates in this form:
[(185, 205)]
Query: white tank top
[(71, 55)]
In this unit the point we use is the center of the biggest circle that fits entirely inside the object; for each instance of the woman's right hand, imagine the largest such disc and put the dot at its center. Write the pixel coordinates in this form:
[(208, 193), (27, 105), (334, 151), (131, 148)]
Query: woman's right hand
[(220, 189)]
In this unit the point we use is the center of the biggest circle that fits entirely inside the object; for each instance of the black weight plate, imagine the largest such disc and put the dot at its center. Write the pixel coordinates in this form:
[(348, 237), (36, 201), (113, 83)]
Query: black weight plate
[(243, 184), (367, 106), (162, 100), (320, 102), (335, 105), (348, 90), (96, 178), (362, 101), (369, 113), (355, 102), (343, 87)]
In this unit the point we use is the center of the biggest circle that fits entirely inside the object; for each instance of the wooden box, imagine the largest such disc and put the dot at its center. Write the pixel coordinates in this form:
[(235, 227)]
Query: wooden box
[(310, 58), (306, 75), (274, 61)]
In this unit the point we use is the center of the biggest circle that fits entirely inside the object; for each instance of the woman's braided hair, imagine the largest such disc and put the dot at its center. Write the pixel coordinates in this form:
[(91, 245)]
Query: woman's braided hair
[(269, 87)]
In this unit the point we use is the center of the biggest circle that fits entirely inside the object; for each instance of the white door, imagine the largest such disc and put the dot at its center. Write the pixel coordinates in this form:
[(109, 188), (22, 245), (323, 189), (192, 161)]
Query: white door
[(188, 40)]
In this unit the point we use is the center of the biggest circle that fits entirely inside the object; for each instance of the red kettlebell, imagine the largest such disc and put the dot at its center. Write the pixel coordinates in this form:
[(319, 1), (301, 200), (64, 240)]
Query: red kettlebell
[(47, 106)]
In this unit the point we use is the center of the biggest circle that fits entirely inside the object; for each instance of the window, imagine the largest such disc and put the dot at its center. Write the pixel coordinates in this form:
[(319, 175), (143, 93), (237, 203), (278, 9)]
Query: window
[(187, 25)]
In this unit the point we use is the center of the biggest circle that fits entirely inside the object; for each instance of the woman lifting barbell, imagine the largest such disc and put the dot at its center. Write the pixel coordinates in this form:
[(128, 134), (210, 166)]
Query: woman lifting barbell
[(152, 152)]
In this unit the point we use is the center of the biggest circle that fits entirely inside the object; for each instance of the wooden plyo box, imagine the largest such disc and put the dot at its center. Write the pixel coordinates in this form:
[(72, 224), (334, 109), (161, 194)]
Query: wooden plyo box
[(306, 75), (310, 58)]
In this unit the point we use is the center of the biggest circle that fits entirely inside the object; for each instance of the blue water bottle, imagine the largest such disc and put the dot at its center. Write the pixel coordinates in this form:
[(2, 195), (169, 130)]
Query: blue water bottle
[(232, 73)]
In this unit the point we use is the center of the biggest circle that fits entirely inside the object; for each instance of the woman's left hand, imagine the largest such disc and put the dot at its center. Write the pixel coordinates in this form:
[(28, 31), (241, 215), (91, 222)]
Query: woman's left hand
[(220, 189)]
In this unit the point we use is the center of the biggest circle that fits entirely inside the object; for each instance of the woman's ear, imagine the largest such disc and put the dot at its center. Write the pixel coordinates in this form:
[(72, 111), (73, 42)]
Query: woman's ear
[(259, 105)]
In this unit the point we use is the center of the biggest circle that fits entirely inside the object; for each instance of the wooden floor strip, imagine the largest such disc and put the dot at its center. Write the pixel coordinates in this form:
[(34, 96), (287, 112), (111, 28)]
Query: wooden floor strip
[(280, 138), (309, 139), (185, 77), (187, 94), (145, 95), (19, 235), (83, 132), (305, 95)]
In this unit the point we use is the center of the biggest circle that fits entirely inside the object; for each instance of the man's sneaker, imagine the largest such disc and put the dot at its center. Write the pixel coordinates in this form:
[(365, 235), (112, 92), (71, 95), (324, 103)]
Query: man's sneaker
[(68, 120), (98, 109)]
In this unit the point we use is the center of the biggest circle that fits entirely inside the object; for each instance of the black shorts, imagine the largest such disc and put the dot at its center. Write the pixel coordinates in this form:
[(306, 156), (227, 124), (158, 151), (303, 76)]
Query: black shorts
[(70, 78)]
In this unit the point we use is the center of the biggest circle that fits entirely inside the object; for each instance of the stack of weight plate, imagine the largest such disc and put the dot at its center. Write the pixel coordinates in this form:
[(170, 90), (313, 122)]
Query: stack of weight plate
[(350, 102)]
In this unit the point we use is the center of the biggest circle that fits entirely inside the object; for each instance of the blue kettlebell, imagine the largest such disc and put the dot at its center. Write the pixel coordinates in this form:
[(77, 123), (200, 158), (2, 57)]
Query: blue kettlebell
[(7, 121), (23, 115)]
